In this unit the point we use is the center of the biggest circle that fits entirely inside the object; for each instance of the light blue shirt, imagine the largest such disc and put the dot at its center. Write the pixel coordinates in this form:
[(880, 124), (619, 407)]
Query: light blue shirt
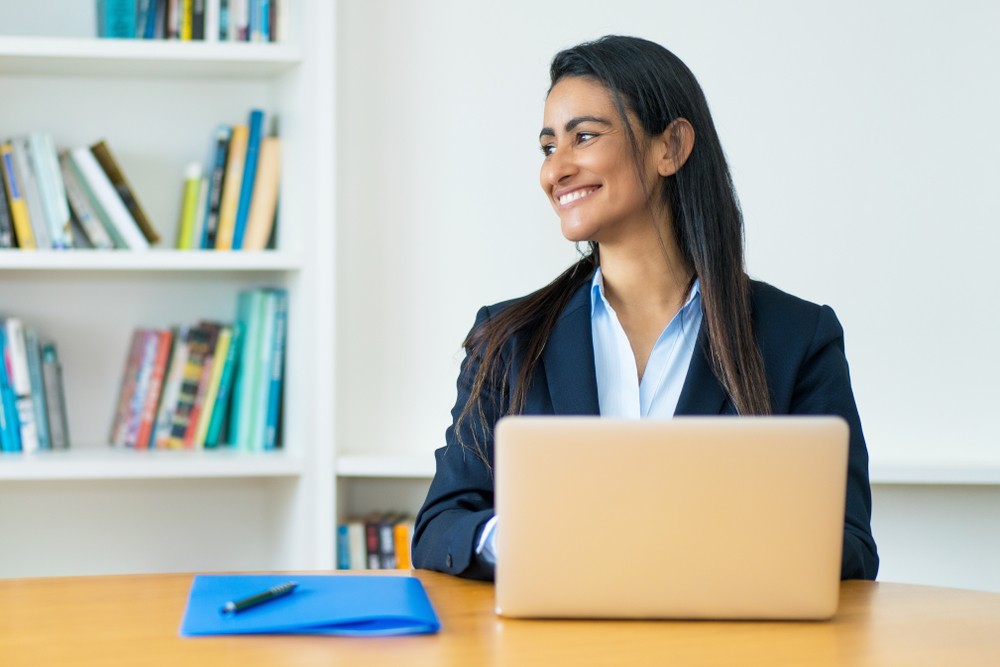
[(620, 393)]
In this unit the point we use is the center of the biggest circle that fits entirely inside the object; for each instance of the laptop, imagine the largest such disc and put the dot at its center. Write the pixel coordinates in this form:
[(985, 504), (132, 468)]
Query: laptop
[(688, 518)]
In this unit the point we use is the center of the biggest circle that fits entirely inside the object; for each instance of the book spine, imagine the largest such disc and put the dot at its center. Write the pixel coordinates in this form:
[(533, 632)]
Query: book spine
[(148, 416), (55, 397), (28, 178), (231, 185), (15, 199), (198, 20), (219, 359), (276, 371), (10, 425), (6, 222), (117, 240), (109, 165), (197, 342), (402, 532), (172, 25), (116, 18), (212, 20), (356, 537), (222, 399), (243, 404), (189, 206), (264, 202), (20, 380), (109, 199), (150, 348), (372, 552), (185, 18), (160, 20), (249, 176), (264, 22), (34, 351), (206, 377), (262, 376), (217, 167), (239, 14), (387, 543), (46, 190), (142, 18), (343, 548), (116, 435), (82, 208), (171, 390), (253, 29), (280, 29)]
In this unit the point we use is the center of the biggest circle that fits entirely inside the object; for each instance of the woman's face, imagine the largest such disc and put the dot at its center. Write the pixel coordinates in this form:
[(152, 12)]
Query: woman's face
[(589, 173)]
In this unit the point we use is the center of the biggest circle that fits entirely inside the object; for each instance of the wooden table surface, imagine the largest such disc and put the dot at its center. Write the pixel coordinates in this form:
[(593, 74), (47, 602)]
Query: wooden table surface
[(134, 620)]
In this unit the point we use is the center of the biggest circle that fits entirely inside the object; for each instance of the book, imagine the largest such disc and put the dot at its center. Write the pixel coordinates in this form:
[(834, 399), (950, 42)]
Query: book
[(126, 388), (150, 347), (10, 423), (147, 417), (172, 20), (356, 540), (273, 378), (355, 605), (7, 239), (19, 214), (262, 372), (34, 352), (216, 169), (239, 20), (198, 20), (145, 11), (373, 553), (189, 206), (250, 313), (185, 20), (231, 184), (16, 358), (224, 21), (93, 203), (221, 407), (171, 389), (51, 189), (207, 367), (125, 191), (403, 534), (116, 18), (212, 11), (82, 207), (199, 341), (264, 202), (126, 228), (343, 548), (220, 357), (28, 178), (199, 216), (256, 125), (55, 397), (387, 541)]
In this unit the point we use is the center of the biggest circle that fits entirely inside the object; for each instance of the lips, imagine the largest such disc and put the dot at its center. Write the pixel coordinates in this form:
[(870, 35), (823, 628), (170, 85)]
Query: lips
[(573, 195)]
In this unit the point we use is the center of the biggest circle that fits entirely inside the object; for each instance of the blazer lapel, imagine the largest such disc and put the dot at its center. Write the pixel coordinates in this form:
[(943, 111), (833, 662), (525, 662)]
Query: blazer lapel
[(702, 394), (568, 359)]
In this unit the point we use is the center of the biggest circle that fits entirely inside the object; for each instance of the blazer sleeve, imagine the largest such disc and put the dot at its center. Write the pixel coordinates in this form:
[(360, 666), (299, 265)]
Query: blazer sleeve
[(823, 386), (460, 499)]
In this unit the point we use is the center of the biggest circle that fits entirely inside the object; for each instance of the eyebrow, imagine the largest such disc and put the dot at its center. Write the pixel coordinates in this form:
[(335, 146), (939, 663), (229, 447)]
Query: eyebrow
[(549, 132)]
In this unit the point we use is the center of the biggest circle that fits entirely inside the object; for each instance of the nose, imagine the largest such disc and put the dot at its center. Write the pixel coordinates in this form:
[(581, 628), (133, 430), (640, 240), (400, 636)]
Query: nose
[(558, 168)]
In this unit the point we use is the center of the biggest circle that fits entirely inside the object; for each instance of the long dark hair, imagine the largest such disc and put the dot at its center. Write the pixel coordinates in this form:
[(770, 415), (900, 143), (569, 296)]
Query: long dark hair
[(652, 83)]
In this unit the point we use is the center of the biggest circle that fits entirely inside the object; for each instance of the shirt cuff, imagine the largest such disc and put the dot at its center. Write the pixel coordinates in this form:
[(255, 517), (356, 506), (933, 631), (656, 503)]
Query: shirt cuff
[(487, 547)]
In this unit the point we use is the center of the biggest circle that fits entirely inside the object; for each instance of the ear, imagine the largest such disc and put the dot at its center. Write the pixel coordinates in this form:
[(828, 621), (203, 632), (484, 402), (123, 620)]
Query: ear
[(674, 147)]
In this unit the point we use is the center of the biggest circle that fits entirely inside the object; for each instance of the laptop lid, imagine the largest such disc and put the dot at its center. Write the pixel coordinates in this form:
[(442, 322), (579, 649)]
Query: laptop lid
[(693, 517)]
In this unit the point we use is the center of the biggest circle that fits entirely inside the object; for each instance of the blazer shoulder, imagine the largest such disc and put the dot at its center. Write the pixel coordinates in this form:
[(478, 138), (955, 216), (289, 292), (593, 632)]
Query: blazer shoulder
[(778, 314)]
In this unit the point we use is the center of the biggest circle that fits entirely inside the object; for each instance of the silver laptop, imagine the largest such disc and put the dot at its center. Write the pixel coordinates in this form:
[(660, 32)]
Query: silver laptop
[(694, 517)]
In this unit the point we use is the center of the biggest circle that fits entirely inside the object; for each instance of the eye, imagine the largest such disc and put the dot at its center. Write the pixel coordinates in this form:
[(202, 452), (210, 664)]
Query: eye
[(547, 149), (584, 137)]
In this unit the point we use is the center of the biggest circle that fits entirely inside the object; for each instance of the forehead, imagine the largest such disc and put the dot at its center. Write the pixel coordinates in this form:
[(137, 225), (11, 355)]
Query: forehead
[(574, 97)]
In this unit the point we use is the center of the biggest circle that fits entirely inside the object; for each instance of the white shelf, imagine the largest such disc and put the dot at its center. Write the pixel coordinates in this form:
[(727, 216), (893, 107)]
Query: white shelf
[(153, 260), (385, 466), (156, 58), (108, 463), (935, 472)]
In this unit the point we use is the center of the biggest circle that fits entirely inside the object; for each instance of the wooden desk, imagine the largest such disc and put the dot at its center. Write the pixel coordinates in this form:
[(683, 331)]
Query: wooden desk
[(133, 620)]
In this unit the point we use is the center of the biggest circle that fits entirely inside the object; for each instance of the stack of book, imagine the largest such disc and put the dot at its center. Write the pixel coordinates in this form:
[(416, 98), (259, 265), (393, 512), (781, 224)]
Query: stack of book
[(230, 203), (32, 401), (207, 385), (198, 20), (74, 199), (380, 541)]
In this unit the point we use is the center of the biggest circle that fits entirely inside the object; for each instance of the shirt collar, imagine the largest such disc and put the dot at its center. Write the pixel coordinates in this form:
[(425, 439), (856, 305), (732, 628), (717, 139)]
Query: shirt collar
[(597, 294)]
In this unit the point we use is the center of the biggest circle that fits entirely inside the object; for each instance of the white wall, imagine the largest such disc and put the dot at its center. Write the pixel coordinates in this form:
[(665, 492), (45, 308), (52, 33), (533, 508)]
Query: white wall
[(862, 137)]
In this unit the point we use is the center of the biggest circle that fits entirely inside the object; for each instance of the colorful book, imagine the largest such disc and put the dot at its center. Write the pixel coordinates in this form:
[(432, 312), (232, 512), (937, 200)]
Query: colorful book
[(206, 377), (262, 373), (55, 397), (224, 20), (150, 348), (172, 27), (10, 423), (34, 351), (387, 541), (275, 371), (220, 410), (83, 208), (116, 19), (120, 219), (172, 389), (96, 209), (28, 178), (185, 20), (264, 203), (216, 168), (250, 313), (343, 548), (239, 17), (200, 213), (189, 206), (147, 419), (220, 357), (51, 189), (7, 239), (125, 191), (231, 185), (403, 532), (373, 553), (256, 125), (126, 388), (15, 198), (199, 340), (16, 358), (145, 10)]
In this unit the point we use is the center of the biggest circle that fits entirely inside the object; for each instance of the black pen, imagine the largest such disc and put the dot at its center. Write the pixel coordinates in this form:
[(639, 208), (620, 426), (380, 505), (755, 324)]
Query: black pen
[(254, 600)]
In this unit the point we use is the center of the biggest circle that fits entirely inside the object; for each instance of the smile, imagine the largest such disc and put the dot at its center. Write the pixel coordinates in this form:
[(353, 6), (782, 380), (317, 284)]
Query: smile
[(576, 194)]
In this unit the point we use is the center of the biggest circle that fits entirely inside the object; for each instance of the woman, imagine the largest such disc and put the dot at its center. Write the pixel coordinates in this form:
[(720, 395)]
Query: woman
[(658, 319)]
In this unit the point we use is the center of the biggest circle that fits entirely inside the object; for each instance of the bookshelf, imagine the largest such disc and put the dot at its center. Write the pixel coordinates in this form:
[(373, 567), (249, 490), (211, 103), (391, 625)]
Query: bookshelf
[(94, 509)]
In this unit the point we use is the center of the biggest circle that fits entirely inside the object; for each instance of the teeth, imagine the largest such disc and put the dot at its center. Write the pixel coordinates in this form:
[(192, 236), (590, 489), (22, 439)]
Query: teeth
[(573, 196)]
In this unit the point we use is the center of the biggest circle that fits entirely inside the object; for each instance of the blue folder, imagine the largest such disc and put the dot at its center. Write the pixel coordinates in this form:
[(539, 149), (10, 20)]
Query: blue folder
[(356, 605)]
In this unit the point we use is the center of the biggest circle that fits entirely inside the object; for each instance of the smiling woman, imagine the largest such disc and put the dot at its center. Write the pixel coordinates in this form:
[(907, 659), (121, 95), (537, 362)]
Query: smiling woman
[(658, 319)]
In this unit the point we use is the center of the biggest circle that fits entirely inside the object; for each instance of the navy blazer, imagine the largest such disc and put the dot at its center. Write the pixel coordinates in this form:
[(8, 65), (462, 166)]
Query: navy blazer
[(803, 349)]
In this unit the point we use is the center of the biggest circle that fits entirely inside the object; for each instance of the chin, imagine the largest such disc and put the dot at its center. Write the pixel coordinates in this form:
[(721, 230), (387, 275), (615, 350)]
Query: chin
[(576, 233)]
